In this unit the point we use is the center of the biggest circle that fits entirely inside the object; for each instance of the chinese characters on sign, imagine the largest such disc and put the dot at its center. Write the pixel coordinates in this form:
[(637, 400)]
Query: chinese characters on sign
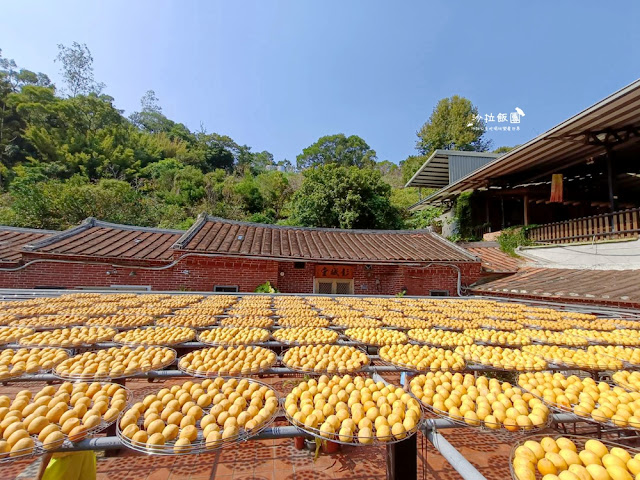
[(334, 271), (511, 119)]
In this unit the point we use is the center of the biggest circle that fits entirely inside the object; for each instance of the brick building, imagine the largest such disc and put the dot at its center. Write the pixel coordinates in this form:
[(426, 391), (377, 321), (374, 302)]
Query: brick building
[(224, 255)]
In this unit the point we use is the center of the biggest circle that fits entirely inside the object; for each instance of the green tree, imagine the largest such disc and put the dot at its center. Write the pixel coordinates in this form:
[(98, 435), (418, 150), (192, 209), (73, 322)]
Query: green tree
[(251, 196), (77, 69), (276, 191), (340, 149), (344, 197), (44, 203), (453, 125), (260, 161), (410, 166), (150, 117), (218, 151), (504, 149), (221, 198), (175, 182), (424, 218), (403, 198), (84, 134), (12, 80)]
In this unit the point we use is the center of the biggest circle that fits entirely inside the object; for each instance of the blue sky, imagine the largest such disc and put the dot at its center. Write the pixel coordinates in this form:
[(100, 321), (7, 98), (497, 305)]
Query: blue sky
[(276, 75)]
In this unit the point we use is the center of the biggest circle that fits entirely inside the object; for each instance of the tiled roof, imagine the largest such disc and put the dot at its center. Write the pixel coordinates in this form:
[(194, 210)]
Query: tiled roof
[(493, 259), (93, 238), (220, 236), (607, 286), (13, 238)]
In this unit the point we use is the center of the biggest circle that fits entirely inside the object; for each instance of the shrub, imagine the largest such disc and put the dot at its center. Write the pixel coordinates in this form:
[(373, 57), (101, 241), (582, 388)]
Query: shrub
[(266, 287), (513, 237)]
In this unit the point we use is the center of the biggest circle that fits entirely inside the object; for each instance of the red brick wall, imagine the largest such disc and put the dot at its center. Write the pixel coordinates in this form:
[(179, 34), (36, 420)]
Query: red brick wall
[(204, 273), (420, 281), (384, 279), (294, 280), (380, 279)]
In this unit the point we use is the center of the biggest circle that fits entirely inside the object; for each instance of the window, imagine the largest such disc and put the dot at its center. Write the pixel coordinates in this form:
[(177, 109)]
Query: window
[(329, 286), (299, 265), (225, 288), (324, 287), (439, 293), (344, 287)]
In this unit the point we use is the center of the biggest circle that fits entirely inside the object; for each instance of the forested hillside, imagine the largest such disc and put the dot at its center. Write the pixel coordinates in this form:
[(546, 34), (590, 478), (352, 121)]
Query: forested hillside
[(67, 152)]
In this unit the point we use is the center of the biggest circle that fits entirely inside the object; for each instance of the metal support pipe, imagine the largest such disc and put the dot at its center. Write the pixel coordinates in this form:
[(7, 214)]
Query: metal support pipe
[(460, 464), (110, 443), (270, 343), (114, 443), (47, 377), (375, 369), (443, 423), (454, 457)]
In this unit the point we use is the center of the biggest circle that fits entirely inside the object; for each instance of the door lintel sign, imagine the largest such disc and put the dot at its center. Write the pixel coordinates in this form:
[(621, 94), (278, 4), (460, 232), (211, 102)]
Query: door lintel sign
[(334, 271)]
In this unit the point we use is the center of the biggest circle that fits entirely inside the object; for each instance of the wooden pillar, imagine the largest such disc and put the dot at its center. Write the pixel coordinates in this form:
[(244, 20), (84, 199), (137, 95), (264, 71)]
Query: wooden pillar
[(610, 181), (486, 210), (526, 209), (611, 185)]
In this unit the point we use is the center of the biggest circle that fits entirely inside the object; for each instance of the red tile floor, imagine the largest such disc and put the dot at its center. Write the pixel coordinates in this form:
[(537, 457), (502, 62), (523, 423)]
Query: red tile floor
[(278, 459)]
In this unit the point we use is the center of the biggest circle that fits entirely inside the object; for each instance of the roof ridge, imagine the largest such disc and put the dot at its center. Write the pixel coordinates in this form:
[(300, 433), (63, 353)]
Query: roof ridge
[(87, 223), (102, 223), (191, 232), (453, 245)]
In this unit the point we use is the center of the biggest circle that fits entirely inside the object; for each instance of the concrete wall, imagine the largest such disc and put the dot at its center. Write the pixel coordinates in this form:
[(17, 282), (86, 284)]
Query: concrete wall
[(605, 256), (449, 225)]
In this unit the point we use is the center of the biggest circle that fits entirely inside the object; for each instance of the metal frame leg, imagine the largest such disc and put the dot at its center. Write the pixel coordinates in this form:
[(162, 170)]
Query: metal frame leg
[(402, 459)]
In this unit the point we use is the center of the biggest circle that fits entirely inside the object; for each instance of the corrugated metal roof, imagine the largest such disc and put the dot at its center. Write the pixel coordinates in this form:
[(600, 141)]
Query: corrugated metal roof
[(93, 238), (436, 170), (551, 149), (461, 165), (594, 285), (493, 259), (12, 239), (221, 236)]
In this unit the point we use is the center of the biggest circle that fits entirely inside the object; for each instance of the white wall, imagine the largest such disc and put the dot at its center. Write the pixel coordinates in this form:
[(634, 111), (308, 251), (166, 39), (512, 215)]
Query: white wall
[(449, 226), (603, 256)]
